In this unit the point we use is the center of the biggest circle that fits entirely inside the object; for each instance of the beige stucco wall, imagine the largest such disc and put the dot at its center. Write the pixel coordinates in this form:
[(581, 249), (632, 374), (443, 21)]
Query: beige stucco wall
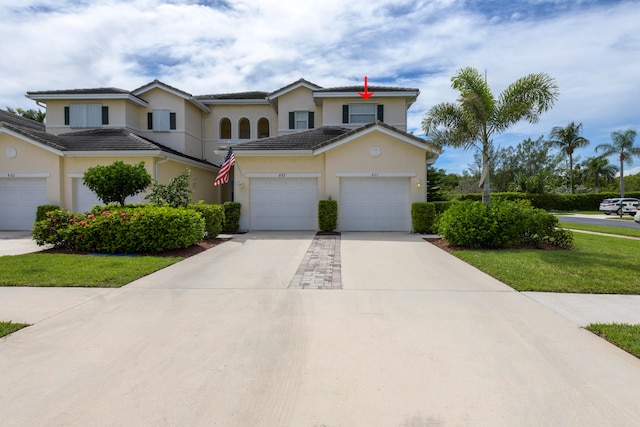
[(201, 180), (397, 158), (395, 110), (300, 99), (32, 159), (120, 115)]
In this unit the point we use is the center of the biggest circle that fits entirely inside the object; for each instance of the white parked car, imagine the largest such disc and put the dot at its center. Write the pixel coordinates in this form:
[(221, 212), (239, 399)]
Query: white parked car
[(619, 206)]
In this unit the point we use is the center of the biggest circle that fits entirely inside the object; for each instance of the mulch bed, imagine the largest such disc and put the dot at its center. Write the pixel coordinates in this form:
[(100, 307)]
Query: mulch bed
[(184, 253)]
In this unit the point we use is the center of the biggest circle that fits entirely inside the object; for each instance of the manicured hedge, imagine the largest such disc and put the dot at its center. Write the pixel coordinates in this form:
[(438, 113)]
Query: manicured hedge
[(554, 202), (231, 217), (424, 215), (213, 218), (503, 224), (327, 215), (113, 229), (41, 212)]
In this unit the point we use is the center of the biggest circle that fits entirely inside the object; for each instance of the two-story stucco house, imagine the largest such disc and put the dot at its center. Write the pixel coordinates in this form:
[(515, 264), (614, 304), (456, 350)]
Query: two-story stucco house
[(294, 146)]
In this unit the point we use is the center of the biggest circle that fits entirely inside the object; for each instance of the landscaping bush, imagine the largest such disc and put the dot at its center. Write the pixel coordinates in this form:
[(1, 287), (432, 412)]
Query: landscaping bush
[(503, 224), (327, 215), (41, 212), (116, 182), (122, 230), (423, 216), (231, 216), (213, 218), (552, 201), (175, 194)]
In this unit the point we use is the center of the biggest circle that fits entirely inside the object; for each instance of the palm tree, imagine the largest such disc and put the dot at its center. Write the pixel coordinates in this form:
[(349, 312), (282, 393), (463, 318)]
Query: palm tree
[(568, 139), (478, 115), (622, 143), (599, 167)]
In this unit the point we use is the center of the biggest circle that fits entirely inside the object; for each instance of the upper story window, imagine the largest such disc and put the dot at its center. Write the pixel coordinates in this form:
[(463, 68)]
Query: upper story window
[(161, 120), (362, 113), (263, 128), (86, 115), (301, 120), (244, 128), (225, 128)]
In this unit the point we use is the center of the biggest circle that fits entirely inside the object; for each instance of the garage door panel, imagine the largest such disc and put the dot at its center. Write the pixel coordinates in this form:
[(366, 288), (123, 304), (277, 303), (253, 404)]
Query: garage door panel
[(20, 200), (374, 204), (283, 204)]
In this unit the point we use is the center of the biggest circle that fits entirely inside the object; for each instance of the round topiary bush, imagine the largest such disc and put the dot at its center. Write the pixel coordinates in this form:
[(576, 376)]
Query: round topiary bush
[(504, 223)]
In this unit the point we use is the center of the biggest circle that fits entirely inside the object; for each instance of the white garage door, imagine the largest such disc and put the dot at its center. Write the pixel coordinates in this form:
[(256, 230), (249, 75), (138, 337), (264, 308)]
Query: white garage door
[(374, 204), (19, 200), (284, 204)]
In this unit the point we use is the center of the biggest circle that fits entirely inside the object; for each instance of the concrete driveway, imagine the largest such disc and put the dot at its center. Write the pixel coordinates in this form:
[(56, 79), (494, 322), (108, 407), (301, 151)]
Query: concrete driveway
[(415, 338)]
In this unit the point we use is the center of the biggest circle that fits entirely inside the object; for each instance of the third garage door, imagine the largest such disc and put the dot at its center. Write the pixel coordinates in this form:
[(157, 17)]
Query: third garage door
[(374, 204), (284, 204)]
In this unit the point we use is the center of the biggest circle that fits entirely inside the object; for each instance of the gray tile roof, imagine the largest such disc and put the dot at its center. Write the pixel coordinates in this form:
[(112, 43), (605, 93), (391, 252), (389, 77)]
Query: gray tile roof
[(96, 140), (315, 138), (371, 89), (93, 91), (239, 95)]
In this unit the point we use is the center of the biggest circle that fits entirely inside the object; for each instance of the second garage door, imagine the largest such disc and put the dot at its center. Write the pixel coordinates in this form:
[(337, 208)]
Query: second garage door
[(284, 204), (374, 204)]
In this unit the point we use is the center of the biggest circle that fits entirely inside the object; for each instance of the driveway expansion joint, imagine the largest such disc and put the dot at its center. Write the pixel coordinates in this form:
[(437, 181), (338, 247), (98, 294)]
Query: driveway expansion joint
[(321, 266)]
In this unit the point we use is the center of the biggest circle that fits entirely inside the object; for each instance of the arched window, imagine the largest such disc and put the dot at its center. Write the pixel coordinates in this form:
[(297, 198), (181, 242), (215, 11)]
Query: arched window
[(225, 128), (244, 128), (263, 128)]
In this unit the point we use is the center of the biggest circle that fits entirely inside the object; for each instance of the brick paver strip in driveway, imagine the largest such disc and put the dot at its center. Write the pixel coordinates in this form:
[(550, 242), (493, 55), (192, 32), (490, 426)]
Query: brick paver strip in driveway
[(321, 266)]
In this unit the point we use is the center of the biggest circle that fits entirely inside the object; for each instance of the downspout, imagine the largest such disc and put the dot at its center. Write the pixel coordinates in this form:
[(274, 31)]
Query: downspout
[(202, 137), (166, 159)]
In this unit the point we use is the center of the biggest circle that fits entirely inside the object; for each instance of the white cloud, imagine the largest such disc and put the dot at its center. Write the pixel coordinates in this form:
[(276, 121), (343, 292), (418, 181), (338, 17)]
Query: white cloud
[(243, 45)]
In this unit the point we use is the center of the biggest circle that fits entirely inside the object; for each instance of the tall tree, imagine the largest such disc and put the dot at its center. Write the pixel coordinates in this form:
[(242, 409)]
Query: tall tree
[(478, 114), (622, 144), (599, 167), (568, 139)]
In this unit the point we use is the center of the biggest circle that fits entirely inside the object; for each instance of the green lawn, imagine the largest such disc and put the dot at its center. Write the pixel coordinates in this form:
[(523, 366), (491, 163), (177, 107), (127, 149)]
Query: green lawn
[(599, 264), (603, 229), (7, 328), (627, 337), (42, 269)]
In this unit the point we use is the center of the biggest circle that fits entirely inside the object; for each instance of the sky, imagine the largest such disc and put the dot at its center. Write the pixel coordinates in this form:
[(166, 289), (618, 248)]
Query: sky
[(590, 47)]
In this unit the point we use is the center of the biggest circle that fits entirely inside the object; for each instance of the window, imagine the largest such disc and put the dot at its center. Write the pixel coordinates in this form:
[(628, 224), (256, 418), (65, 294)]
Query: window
[(244, 128), (86, 115), (263, 128), (362, 113), (301, 120), (225, 128), (161, 120)]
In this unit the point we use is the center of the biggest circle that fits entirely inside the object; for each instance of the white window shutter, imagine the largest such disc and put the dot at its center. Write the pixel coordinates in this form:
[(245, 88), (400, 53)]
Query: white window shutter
[(77, 115), (161, 120)]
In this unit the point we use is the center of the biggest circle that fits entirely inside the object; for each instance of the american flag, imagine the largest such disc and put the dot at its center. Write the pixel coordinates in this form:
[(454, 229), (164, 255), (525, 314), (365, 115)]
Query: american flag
[(223, 175)]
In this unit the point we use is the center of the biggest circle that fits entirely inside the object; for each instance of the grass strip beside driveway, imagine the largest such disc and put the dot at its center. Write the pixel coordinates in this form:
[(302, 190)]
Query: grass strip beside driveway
[(631, 232), (599, 264), (68, 270), (627, 337), (7, 328)]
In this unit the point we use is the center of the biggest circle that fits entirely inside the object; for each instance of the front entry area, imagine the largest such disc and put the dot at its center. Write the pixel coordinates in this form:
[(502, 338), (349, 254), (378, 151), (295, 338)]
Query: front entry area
[(374, 204)]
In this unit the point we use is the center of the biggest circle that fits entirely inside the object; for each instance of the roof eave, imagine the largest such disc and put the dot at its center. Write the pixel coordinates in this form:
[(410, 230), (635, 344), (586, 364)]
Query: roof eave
[(85, 96), (272, 153)]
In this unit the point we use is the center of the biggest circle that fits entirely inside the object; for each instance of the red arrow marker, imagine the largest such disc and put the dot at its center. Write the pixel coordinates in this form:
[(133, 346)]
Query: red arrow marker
[(366, 94)]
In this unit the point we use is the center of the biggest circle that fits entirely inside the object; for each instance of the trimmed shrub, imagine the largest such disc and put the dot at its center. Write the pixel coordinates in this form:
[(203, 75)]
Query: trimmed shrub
[(116, 182), (504, 223), (423, 216), (231, 216), (213, 218), (122, 230), (41, 212), (554, 202), (328, 215)]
